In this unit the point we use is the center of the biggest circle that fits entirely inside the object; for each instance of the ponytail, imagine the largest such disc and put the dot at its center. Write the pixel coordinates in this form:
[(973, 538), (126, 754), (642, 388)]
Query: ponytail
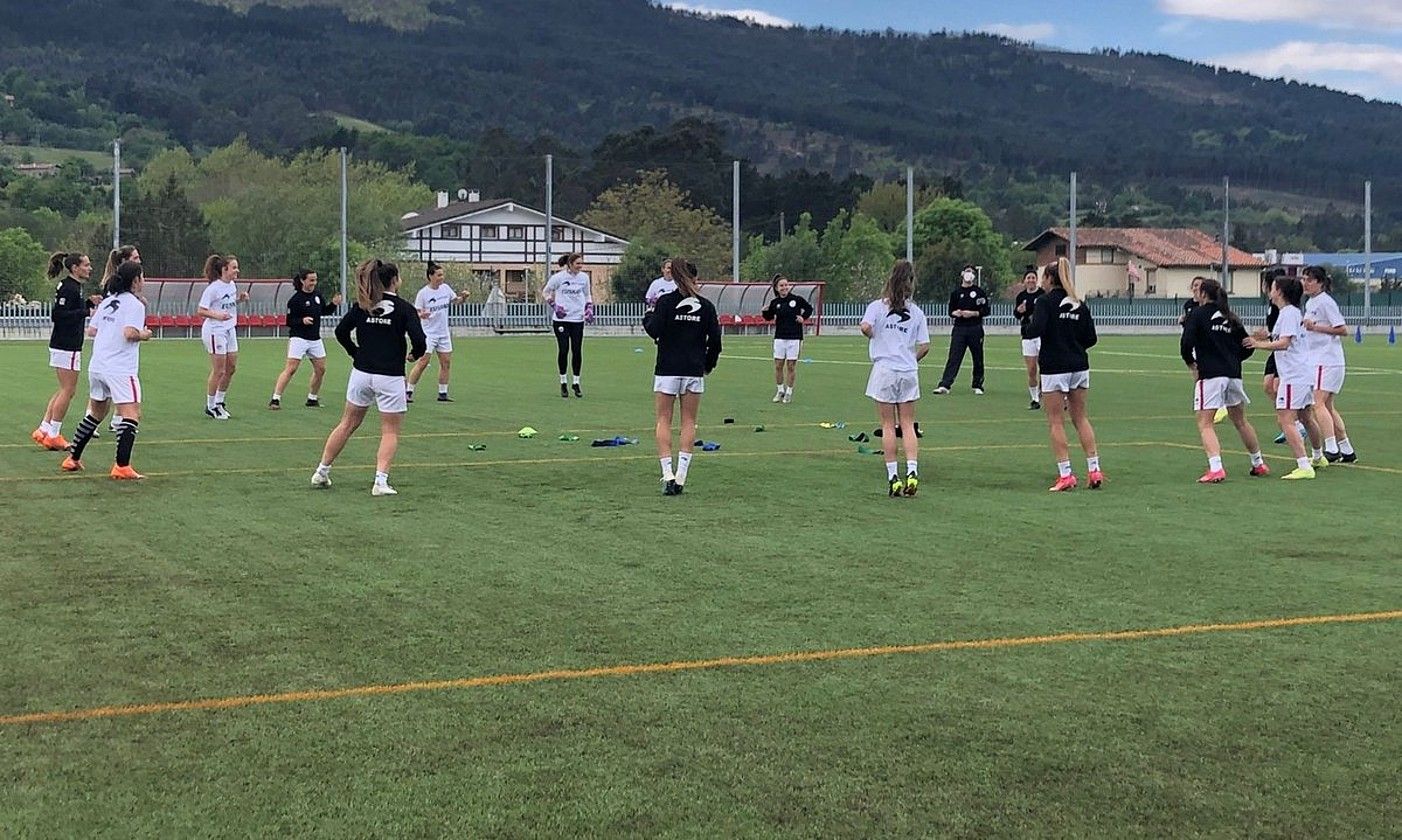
[(214, 267), (56, 265), (1290, 289), (372, 279), (125, 278), (685, 275), (1213, 291), (1059, 273), (115, 260), (900, 285)]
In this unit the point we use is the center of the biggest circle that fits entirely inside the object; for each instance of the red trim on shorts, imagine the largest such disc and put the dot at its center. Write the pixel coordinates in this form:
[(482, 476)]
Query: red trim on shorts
[(1318, 377), (1289, 397), (73, 360), (211, 345), (135, 394), (1202, 401)]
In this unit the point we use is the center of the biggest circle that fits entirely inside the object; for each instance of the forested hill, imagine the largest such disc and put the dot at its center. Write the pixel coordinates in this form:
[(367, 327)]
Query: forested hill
[(581, 69)]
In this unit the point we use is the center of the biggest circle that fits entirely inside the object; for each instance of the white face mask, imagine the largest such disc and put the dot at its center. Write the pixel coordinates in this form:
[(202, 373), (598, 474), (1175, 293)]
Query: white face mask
[(968, 277)]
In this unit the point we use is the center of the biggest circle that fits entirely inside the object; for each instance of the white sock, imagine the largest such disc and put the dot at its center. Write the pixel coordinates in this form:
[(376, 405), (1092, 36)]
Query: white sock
[(51, 428), (1331, 444), (277, 396), (667, 474), (409, 389), (1214, 463), (789, 390), (1303, 463), (779, 389), (323, 469), (381, 478), (1256, 459), (563, 380), (1344, 446), (1034, 393), (576, 380), (1318, 453), (209, 401), (219, 397), (683, 464), (912, 466), (1093, 463), (1063, 469), (892, 468), (313, 398), (442, 389)]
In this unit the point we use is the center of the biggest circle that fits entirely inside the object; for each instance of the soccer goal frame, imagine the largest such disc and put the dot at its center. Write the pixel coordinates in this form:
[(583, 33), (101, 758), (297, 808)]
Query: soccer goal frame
[(739, 304)]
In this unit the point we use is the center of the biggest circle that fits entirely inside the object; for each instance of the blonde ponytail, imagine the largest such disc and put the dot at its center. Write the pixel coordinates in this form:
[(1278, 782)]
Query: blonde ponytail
[(1063, 268)]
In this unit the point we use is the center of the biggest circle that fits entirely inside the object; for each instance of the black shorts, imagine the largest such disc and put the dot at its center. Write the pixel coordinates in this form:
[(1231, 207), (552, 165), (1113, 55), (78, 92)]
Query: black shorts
[(1270, 366)]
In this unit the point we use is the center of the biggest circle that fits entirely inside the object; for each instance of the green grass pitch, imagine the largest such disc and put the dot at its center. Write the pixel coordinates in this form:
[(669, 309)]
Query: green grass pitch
[(224, 574)]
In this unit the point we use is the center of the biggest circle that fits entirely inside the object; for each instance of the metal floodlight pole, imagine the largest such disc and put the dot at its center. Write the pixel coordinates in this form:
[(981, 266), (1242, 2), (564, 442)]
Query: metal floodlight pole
[(910, 214), (735, 223), (1072, 255), (345, 224), (116, 194), (549, 210), (1226, 232), (1368, 252)]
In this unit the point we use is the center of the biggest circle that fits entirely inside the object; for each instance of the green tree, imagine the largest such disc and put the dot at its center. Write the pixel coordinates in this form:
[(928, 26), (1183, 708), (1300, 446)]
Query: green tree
[(885, 202), (653, 208), (798, 256), (641, 264), (22, 264), (169, 229), (949, 234), (858, 256)]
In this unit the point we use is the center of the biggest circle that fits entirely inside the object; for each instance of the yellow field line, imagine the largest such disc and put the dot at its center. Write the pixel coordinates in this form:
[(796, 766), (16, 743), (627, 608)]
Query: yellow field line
[(1286, 457), (558, 675)]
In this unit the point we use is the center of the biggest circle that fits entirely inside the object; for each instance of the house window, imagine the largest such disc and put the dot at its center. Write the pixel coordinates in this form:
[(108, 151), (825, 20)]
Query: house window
[(557, 233), (452, 232), (489, 232), (1151, 282), (1100, 256), (516, 232)]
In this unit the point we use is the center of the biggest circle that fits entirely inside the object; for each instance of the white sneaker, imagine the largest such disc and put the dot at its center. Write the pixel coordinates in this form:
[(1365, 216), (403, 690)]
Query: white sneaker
[(778, 396), (941, 390), (383, 490), (224, 411), (788, 398), (978, 392), (321, 480)]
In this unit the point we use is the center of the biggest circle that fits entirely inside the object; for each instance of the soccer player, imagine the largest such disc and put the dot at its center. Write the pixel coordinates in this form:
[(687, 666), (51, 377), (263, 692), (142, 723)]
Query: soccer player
[(788, 311), (898, 338), (219, 307), (1064, 324), (1023, 307), (968, 306), (1213, 347), (304, 313), (125, 253), (661, 286), (70, 310), (688, 335), (571, 300), (1294, 394), (380, 320), (432, 302), (1189, 306), (119, 327), (1324, 330)]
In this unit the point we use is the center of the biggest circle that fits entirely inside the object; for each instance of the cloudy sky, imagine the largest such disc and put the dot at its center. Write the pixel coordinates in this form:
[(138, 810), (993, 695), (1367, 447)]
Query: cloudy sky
[(1351, 45)]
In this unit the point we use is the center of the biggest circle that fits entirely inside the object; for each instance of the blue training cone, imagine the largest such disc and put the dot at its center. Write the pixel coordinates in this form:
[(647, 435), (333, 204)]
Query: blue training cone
[(1392, 335), (1358, 334)]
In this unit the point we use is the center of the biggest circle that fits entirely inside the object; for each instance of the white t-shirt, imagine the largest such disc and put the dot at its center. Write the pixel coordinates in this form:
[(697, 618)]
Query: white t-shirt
[(1325, 349), (436, 301), (112, 353), (895, 337), (1295, 363), (221, 296), (661, 286), (571, 293)]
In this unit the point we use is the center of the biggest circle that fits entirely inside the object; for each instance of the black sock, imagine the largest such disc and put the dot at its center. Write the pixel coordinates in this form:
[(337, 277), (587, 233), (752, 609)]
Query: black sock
[(86, 428), (126, 439)]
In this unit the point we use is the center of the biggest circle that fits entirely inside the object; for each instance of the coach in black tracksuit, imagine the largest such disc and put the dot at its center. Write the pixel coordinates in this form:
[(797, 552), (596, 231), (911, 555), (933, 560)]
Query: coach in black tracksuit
[(968, 306)]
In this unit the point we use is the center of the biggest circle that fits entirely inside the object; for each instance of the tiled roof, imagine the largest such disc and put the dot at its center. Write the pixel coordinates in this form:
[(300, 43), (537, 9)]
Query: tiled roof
[(433, 215), (1167, 247)]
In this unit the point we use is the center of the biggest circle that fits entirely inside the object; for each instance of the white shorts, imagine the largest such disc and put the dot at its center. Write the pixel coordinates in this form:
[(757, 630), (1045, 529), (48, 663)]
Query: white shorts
[(1065, 382), (65, 359), (386, 392), (893, 386), (787, 348), (1219, 392), (118, 388), (1329, 378), (1031, 347), (675, 385), (301, 348), (219, 342), (439, 344), (1294, 395)]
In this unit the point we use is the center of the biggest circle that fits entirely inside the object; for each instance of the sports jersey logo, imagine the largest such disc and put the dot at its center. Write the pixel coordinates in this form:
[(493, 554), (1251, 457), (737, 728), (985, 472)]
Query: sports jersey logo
[(383, 308), (113, 304), (690, 304), (793, 303), (1070, 305), (1218, 316), (902, 314)]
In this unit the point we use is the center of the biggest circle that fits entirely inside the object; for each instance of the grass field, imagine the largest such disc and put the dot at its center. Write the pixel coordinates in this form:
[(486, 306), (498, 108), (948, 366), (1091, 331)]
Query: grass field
[(225, 576), (51, 154)]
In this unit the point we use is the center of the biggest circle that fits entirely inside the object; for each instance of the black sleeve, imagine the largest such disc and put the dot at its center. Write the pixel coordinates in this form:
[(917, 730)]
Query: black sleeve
[(72, 311), (418, 343), (292, 312), (713, 338), (347, 326), (1239, 336), (805, 308), (654, 321), (1041, 313), (768, 312), (985, 308), (953, 296), (328, 308), (1088, 336), (1188, 341)]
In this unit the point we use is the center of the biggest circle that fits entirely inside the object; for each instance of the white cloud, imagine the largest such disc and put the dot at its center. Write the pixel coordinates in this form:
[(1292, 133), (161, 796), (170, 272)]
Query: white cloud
[(1022, 31), (1369, 69), (1328, 14), (756, 16)]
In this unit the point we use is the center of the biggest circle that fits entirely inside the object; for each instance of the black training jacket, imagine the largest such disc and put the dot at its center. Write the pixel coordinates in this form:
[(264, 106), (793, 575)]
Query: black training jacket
[(1066, 330), (788, 313), (688, 335), (380, 333), (1216, 341)]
